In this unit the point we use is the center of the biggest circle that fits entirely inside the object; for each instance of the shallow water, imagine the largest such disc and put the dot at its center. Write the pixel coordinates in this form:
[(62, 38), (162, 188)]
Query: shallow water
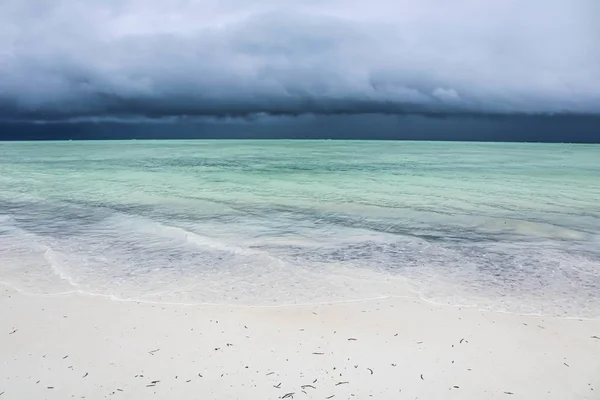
[(511, 227)]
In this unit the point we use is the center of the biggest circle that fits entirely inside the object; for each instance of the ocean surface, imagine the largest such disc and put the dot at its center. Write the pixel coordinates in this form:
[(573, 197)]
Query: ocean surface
[(508, 227)]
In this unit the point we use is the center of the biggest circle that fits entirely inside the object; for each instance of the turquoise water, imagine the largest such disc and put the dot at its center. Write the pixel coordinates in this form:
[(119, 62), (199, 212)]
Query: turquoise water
[(512, 227)]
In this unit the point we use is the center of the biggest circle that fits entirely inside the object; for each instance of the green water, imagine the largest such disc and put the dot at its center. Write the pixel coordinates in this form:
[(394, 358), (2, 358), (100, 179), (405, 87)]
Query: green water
[(512, 227)]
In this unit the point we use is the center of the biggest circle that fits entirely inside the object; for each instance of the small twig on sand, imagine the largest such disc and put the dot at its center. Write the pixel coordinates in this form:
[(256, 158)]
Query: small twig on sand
[(291, 394), (86, 374), (153, 351), (508, 393), (277, 386), (307, 386), (422, 377), (340, 383), (370, 370)]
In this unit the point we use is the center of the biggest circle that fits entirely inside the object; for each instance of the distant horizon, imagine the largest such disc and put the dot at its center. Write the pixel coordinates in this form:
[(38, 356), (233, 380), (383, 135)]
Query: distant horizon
[(290, 140), (472, 128)]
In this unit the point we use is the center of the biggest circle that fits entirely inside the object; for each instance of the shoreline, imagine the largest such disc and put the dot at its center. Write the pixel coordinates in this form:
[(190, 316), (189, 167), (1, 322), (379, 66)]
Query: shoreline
[(419, 299), (89, 347)]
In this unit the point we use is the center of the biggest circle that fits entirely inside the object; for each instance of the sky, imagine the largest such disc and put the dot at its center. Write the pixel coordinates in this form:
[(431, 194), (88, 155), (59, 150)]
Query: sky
[(94, 61)]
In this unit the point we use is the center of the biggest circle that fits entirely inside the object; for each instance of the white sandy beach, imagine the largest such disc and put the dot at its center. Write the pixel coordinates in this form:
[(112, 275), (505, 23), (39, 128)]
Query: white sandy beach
[(76, 346)]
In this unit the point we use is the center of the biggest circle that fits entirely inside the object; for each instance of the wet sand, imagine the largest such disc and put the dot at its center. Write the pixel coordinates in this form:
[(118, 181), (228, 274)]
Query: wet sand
[(76, 346)]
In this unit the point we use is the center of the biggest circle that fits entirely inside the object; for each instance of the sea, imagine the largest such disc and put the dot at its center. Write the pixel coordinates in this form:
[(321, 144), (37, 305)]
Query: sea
[(494, 226)]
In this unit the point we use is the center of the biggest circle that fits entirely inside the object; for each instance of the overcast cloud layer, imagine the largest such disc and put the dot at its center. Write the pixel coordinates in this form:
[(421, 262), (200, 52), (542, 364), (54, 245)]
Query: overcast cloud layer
[(72, 58)]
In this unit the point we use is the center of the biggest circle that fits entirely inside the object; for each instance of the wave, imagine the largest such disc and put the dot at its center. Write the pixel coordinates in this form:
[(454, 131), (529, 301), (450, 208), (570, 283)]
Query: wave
[(194, 238), (54, 261), (126, 256)]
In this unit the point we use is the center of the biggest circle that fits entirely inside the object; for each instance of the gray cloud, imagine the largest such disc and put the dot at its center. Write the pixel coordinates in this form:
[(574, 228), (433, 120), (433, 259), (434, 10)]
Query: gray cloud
[(73, 58)]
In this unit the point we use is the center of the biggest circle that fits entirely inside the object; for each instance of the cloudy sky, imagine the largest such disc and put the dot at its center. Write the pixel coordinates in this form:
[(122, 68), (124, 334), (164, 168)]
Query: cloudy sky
[(66, 59)]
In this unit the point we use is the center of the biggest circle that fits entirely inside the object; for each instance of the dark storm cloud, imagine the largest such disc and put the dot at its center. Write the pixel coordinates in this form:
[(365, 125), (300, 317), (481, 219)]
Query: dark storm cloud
[(66, 59)]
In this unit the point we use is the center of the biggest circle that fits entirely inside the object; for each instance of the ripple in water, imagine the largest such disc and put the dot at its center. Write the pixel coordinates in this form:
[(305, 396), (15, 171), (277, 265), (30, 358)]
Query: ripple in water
[(271, 224)]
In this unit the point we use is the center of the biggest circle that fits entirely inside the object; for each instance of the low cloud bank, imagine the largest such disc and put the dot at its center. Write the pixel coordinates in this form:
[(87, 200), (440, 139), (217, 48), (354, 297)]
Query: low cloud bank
[(69, 59)]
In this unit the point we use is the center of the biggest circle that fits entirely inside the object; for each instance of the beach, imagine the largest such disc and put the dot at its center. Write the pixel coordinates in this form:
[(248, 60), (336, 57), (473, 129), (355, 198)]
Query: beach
[(299, 269), (288, 200), (77, 346)]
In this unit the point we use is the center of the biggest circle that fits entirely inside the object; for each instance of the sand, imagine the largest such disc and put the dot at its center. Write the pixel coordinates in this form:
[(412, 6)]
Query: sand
[(78, 346)]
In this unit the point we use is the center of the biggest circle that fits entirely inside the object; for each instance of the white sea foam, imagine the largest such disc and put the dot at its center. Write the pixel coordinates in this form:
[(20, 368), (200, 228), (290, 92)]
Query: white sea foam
[(55, 263)]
